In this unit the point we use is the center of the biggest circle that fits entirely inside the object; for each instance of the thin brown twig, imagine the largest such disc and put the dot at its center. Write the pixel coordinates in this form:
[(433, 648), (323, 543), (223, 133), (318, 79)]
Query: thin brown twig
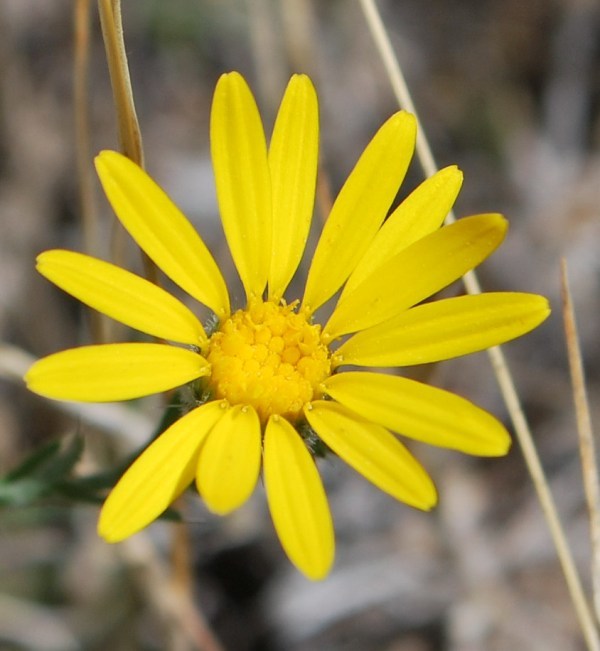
[(301, 35), (112, 32), (173, 604), (181, 559), (181, 583), (87, 206), (584, 429), (130, 136), (82, 127), (496, 356)]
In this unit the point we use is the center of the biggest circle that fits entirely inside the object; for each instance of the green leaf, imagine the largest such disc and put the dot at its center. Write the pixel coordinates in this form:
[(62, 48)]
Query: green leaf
[(33, 461), (47, 472), (38, 474)]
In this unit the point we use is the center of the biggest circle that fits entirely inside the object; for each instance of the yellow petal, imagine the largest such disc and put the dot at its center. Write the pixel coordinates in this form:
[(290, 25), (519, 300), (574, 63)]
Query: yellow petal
[(230, 461), (360, 208), (161, 230), (122, 296), (293, 154), (297, 500), (114, 372), (445, 329), (158, 476), (420, 412), (420, 214), (417, 272), (373, 452), (239, 155)]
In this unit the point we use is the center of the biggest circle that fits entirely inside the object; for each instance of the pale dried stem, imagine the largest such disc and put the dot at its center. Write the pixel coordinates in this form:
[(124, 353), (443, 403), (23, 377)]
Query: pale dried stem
[(87, 207), (82, 127), (181, 556), (176, 606), (497, 359), (112, 32), (301, 35), (584, 429), (130, 137)]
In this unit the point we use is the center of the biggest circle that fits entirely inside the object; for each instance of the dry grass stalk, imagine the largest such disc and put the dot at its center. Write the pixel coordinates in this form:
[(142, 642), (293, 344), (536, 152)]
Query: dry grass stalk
[(497, 359), (175, 606), (89, 214), (180, 608), (584, 429), (128, 126)]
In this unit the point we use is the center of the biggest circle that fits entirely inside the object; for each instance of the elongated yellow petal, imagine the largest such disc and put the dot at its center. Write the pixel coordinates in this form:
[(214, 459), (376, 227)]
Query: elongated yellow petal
[(360, 208), (161, 230), (373, 452), (122, 296), (239, 155), (158, 476), (297, 500), (420, 412), (293, 155), (114, 372), (230, 461), (445, 329), (417, 272), (420, 214)]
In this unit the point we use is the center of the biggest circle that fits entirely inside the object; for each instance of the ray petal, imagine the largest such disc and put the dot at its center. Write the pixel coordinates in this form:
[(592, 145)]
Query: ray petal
[(373, 452), (420, 214), (161, 230), (417, 272), (114, 372), (158, 476), (230, 461), (360, 208), (122, 296), (444, 329), (293, 155), (239, 155), (420, 412), (297, 500)]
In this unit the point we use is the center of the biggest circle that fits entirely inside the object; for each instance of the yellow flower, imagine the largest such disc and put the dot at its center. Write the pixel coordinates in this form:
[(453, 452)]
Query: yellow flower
[(270, 373)]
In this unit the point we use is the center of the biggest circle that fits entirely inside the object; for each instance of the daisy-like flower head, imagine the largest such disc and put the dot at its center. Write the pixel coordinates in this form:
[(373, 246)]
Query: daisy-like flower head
[(271, 371)]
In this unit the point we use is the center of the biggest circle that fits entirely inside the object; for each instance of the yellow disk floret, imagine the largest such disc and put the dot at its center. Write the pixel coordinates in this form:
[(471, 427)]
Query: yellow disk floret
[(269, 357)]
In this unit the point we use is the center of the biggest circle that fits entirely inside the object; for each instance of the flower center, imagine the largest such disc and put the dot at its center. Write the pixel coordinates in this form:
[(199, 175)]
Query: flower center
[(270, 357)]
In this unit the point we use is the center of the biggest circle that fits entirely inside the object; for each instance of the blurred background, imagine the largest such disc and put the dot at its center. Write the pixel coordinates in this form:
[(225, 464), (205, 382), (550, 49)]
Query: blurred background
[(509, 91)]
